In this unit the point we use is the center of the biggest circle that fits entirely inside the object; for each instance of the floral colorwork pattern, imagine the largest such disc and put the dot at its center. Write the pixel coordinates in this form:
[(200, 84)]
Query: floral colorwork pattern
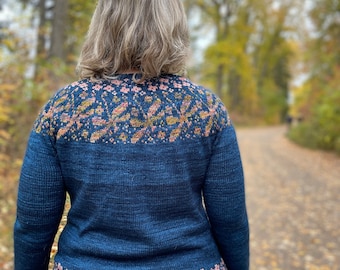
[(219, 266), (122, 111)]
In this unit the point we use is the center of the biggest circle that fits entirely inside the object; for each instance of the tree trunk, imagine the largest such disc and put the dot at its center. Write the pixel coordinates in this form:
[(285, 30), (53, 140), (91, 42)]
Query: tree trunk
[(58, 33), (219, 80), (41, 48), (41, 51), (234, 89), (226, 10)]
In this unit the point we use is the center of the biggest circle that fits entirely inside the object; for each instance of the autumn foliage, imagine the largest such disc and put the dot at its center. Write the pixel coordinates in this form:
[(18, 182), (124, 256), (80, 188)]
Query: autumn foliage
[(318, 99), (248, 62)]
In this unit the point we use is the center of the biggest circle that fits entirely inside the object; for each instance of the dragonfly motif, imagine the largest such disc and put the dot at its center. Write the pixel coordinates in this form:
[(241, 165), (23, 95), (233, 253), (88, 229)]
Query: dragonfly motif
[(146, 116)]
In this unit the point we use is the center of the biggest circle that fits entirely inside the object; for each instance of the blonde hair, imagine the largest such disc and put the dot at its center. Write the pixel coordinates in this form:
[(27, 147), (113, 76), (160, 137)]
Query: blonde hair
[(150, 36)]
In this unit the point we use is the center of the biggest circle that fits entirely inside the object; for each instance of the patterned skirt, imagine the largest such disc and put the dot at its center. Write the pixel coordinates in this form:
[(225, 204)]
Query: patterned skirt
[(219, 266)]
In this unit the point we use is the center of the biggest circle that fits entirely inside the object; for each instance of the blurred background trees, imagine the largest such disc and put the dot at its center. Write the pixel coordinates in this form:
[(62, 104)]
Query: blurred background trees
[(38, 54), (247, 63), (272, 60), (318, 99)]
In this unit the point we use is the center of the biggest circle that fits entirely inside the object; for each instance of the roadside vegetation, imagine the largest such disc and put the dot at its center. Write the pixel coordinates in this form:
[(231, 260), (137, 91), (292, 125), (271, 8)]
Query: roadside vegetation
[(318, 98)]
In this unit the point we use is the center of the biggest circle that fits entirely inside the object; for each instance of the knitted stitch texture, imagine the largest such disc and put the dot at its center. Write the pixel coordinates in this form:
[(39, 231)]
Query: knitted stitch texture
[(136, 160)]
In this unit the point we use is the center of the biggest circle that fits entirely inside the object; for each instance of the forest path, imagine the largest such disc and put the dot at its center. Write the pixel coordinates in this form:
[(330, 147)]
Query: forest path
[(293, 198)]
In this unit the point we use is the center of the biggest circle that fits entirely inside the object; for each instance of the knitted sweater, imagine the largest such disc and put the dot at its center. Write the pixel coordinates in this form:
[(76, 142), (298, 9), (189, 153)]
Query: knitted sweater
[(154, 175)]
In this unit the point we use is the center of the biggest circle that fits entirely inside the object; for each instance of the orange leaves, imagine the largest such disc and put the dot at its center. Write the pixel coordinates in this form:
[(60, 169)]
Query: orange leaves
[(6, 100)]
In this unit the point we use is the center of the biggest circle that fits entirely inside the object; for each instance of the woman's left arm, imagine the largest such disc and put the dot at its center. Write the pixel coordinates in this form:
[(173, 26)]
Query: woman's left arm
[(40, 204)]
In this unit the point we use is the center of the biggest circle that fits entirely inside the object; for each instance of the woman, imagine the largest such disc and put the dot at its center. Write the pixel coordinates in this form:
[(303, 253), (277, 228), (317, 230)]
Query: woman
[(136, 146)]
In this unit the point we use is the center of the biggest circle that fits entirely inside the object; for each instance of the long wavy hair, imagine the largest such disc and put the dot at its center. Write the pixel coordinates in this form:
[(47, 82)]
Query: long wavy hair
[(149, 37)]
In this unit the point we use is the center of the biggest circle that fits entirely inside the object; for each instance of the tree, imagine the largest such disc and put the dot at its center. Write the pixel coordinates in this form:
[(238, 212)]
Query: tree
[(319, 102), (59, 27), (249, 58), (232, 53), (13, 53), (272, 52), (325, 46), (219, 13)]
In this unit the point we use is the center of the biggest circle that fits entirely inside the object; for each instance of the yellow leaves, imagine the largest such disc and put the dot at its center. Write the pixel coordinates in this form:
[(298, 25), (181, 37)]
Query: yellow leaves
[(4, 115), (219, 53), (6, 93), (8, 87), (5, 111), (4, 134), (9, 43), (4, 138)]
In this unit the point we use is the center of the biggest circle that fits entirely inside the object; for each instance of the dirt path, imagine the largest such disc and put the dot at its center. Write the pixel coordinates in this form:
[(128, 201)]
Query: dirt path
[(293, 197)]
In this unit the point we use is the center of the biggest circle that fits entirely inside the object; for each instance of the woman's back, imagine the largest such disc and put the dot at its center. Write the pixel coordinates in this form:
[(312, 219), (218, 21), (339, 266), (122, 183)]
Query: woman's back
[(133, 159), (137, 153)]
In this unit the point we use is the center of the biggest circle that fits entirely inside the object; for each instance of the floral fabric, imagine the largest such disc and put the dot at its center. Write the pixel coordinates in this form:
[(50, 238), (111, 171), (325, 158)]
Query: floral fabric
[(119, 111), (218, 266)]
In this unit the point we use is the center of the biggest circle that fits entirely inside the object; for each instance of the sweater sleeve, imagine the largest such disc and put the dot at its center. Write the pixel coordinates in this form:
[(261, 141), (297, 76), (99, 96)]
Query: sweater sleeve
[(224, 196), (40, 204)]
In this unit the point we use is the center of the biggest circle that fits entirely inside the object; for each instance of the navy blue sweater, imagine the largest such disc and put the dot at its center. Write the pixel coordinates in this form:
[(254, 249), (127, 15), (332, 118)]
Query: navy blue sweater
[(154, 175)]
